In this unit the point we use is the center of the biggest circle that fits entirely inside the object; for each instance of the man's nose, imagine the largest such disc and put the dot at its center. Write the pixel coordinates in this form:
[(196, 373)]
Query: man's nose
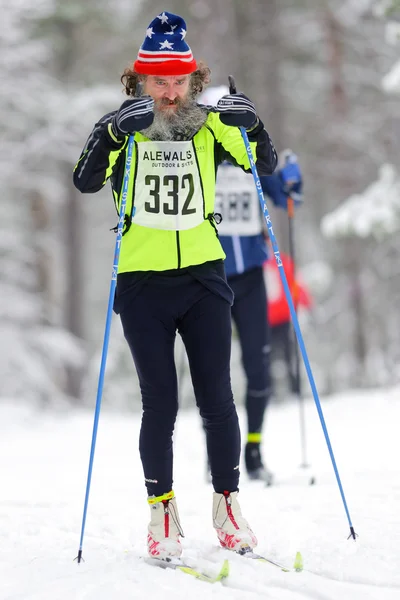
[(170, 92)]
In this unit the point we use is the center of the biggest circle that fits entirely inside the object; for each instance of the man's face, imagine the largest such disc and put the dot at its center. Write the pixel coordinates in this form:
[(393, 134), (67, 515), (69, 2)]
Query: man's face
[(168, 92)]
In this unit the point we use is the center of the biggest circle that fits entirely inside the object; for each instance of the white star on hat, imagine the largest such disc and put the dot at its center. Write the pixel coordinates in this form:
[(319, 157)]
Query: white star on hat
[(166, 45), (183, 33), (163, 18), (149, 32)]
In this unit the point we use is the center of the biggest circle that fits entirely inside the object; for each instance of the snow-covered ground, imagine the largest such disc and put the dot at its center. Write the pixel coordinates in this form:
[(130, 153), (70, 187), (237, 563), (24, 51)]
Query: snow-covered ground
[(43, 469)]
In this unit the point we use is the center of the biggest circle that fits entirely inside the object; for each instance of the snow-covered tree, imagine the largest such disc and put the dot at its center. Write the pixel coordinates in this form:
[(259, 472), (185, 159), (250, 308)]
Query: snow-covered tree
[(390, 9), (375, 212), (48, 105), (365, 224), (35, 349)]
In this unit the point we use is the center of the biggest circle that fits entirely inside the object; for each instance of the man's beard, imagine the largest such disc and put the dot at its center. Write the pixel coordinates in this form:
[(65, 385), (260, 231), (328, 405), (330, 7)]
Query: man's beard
[(179, 124)]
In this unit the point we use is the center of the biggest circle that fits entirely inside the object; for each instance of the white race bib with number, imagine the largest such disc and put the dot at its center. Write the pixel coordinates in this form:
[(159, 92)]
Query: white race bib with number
[(237, 200), (167, 193)]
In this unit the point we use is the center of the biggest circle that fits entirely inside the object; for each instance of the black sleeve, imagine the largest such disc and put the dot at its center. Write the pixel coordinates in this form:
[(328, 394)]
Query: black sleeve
[(267, 158), (91, 168)]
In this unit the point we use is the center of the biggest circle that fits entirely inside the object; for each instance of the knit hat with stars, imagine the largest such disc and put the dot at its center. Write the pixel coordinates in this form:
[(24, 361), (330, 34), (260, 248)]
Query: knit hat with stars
[(164, 50)]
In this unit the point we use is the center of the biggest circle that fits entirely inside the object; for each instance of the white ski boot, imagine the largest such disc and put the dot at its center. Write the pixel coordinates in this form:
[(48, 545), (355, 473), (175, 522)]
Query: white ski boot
[(164, 529), (232, 529)]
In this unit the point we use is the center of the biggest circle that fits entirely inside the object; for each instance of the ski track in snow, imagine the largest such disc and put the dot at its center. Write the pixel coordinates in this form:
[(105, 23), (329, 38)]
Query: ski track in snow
[(44, 461)]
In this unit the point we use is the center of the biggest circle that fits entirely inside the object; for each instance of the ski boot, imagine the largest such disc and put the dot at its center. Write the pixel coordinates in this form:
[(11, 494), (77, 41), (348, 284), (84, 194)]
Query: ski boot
[(254, 464), (164, 529), (232, 529)]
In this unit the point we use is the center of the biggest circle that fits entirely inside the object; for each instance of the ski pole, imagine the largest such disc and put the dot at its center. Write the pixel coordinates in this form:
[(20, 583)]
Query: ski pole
[(120, 228), (264, 208), (297, 375)]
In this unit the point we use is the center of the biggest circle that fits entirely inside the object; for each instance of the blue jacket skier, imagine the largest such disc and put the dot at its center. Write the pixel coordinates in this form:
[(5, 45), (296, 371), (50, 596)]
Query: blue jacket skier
[(242, 236)]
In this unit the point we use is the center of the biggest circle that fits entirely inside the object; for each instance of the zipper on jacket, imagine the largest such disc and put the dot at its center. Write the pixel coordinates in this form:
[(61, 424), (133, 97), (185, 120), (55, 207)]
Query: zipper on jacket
[(178, 249)]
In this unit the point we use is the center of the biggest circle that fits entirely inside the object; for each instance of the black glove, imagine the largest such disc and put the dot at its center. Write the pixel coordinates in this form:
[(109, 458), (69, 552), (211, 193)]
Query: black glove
[(134, 114), (237, 110)]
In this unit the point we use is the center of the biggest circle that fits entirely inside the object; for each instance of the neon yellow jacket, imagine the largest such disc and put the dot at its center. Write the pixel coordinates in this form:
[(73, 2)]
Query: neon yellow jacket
[(148, 249)]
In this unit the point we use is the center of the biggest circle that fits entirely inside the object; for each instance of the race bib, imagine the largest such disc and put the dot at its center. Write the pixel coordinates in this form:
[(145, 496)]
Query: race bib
[(237, 200), (167, 192)]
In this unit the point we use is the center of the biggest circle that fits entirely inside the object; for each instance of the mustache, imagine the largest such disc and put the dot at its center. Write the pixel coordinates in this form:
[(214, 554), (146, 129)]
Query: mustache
[(167, 102)]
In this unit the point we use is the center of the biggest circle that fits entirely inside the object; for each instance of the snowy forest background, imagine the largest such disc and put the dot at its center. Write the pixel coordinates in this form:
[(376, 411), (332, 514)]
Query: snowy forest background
[(325, 77)]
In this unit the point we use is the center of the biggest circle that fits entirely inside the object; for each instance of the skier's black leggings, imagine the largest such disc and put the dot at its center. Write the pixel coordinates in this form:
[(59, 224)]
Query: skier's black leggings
[(249, 312), (164, 305)]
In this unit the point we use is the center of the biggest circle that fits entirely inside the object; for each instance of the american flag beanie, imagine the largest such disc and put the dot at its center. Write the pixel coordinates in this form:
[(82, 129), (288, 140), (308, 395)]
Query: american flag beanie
[(164, 50)]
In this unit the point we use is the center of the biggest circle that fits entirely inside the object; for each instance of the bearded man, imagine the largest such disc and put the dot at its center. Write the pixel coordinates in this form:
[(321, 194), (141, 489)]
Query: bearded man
[(171, 274)]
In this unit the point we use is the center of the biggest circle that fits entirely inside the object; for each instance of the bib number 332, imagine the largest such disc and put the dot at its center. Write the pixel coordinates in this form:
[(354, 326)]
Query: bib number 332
[(166, 191)]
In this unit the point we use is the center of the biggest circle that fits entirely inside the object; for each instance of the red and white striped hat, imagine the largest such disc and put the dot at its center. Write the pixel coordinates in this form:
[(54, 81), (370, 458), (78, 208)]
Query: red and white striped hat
[(164, 50)]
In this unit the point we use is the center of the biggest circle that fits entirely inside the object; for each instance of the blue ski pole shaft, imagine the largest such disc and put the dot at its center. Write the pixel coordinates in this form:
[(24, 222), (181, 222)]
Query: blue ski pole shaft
[(120, 228), (264, 208)]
